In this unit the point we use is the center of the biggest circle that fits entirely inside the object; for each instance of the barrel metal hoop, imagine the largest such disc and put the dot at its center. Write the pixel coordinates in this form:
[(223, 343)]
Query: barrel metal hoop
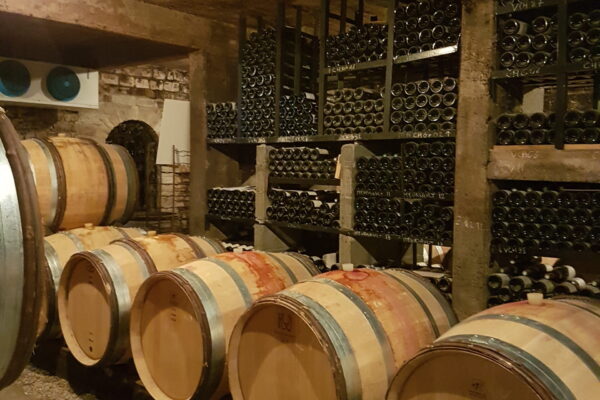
[(148, 261), (423, 305), (246, 296), (53, 263), (61, 184), (284, 267), (540, 371), (216, 245), (215, 368), (119, 330), (133, 182), (583, 356), (565, 301), (52, 170), (110, 173), (75, 239), (123, 232), (138, 259), (371, 318), (339, 341), (190, 242), (310, 266), (450, 314)]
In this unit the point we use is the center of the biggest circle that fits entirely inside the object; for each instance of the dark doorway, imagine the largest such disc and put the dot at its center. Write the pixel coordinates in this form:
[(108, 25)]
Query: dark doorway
[(142, 143)]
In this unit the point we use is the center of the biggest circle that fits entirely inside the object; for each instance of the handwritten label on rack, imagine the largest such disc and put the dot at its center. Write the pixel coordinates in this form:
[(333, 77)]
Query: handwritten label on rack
[(467, 223), (526, 155), (592, 64), (521, 73), (341, 68), (527, 4)]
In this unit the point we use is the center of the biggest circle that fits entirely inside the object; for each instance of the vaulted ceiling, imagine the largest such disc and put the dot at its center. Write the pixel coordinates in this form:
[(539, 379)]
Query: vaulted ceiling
[(229, 10)]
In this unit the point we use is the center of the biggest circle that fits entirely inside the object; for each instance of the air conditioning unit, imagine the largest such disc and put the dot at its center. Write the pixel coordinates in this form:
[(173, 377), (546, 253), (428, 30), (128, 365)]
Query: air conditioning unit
[(32, 83)]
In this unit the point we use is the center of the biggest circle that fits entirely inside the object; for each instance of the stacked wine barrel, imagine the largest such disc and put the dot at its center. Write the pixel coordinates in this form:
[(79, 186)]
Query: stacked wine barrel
[(426, 25), (79, 181), (182, 320), (301, 162), (528, 43), (97, 288), (58, 249), (222, 120), (534, 274), (233, 202), (546, 220), (354, 111), (360, 44), (546, 349), (425, 106), (341, 335), (304, 207)]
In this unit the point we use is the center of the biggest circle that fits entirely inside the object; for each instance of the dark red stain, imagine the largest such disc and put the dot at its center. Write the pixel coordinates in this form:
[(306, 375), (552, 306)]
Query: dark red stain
[(406, 324), (268, 276)]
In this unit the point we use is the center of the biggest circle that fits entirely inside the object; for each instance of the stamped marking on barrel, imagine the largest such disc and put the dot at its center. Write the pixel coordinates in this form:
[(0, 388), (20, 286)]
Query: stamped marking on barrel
[(173, 309), (285, 327), (477, 389)]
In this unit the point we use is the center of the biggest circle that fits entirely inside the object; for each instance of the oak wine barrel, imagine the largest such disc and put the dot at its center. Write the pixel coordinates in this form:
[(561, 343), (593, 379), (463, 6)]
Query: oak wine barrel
[(21, 255), (58, 248), (80, 181), (97, 288), (181, 320), (342, 335), (546, 351)]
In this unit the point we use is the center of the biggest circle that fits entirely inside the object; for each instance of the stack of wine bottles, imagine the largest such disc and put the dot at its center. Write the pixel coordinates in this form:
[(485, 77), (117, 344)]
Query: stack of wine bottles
[(523, 129), (222, 120), (360, 44), (419, 220), (428, 168), (528, 43), (424, 105), (354, 111), (379, 173), (548, 220), (232, 202), (519, 277), (304, 207), (584, 36), (582, 127), (301, 162), (425, 25), (258, 84), (298, 115)]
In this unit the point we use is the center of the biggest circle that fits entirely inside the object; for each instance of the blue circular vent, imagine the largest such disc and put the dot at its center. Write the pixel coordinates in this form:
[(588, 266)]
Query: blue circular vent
[(63, 84), (14, 78)]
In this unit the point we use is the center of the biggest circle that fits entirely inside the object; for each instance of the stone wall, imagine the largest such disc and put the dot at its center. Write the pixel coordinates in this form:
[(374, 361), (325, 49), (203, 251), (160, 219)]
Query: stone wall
[(132, 93)]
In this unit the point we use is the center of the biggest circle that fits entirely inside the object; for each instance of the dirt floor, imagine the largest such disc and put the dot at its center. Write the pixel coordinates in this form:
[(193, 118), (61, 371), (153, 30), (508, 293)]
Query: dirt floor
[(37, 384)]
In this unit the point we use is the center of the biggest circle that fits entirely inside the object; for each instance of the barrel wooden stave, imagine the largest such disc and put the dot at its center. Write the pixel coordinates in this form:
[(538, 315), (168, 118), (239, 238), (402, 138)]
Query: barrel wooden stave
[(212, 293), (360, 325), (58, 249), (80, 181), (119, 270), (517, 350)]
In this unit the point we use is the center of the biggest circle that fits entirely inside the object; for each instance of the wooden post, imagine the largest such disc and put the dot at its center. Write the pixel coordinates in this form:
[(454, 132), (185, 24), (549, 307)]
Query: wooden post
[(198, 146), (472, 207)]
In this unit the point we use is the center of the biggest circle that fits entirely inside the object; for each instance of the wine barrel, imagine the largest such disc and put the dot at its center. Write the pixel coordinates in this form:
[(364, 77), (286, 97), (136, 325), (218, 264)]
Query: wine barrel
[(21, 255), (181, 320), (80, 181), (97, 288), (58, 249), (342, 335), (524, 351)]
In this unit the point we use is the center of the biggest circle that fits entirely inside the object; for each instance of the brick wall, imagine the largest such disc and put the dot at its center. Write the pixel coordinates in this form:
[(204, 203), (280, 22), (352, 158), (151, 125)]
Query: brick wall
[(136, 93)]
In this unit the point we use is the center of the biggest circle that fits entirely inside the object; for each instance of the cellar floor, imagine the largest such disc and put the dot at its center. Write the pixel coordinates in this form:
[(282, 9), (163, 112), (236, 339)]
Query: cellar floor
[(36, 384)]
